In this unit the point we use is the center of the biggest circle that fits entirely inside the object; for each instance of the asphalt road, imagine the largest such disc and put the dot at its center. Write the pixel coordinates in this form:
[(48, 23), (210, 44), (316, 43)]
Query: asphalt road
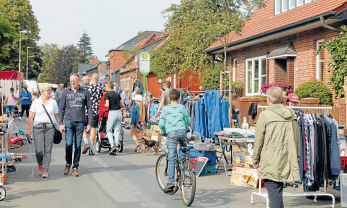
[(125, 180)]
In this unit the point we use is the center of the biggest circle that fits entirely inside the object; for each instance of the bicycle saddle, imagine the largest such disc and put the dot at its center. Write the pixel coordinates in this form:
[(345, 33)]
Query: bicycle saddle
[(185, 149)]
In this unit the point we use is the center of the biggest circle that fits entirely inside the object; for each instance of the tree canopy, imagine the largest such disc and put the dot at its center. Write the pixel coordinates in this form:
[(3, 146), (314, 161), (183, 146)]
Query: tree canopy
[(19, 17), (84, 49), (192, 26)]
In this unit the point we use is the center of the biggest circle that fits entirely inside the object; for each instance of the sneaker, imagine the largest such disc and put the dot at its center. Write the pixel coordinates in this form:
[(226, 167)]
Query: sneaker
[(75, 172), (44, 174), (26, 119), (90, 152), (113, 151), (19, 118), (169, 187), (39, 169), (86, 148), (67, 169)]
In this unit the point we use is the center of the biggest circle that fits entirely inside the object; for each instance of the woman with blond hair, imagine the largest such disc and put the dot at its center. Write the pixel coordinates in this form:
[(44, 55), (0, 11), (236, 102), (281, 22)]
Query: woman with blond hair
[(43, 130)]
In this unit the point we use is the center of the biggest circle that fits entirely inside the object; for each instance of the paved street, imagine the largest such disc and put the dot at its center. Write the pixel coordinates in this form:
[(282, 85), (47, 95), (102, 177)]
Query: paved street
[(125, 180)]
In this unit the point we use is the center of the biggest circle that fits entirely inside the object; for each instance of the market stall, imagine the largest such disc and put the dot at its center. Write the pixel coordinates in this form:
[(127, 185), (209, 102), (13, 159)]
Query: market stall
[(10, 79)]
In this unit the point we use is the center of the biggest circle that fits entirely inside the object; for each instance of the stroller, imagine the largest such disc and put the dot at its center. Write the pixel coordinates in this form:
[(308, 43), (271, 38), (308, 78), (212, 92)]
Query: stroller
[(101, 136)]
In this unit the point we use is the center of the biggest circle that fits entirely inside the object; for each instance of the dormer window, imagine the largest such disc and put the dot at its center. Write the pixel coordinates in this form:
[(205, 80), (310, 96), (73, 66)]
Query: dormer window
[(282, 6)]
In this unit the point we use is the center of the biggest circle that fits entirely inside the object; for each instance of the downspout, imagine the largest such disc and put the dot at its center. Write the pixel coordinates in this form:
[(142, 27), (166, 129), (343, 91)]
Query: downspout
[(327, 26)]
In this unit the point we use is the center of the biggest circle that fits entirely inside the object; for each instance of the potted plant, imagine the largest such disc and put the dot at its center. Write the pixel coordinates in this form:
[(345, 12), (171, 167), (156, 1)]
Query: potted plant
[(286, 88)]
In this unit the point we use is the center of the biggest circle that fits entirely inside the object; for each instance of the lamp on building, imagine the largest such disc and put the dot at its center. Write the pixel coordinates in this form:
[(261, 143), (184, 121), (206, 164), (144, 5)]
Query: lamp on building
[(27, 62), (20, 39)]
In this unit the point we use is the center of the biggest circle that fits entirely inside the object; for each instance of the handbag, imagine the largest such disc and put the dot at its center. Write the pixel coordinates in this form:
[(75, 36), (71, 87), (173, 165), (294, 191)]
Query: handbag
[(57, 134)]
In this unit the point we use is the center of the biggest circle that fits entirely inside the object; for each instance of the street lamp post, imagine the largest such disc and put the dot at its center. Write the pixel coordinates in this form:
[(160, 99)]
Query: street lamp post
[(27, 62), (20, 40)]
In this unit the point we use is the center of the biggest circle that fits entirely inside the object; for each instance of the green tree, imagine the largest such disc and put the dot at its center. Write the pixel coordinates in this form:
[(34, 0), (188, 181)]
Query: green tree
[(48, 53), (8, 35), (337, 47), (20, 14), (84, 49), (194, 25), (63, 65)]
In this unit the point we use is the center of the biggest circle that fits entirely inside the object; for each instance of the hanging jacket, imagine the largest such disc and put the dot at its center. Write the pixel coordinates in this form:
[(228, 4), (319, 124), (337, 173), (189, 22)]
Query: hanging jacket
[(225, 114), (140, 86), (200, 119), (190, 106), (277, 144), (252, 111)]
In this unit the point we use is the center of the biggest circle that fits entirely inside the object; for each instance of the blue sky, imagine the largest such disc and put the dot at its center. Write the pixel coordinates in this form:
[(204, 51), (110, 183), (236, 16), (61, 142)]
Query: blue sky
[(109, 23)]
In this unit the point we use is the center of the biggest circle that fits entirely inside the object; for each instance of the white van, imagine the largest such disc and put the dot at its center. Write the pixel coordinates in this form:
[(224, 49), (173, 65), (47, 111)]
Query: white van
[(32, 85)]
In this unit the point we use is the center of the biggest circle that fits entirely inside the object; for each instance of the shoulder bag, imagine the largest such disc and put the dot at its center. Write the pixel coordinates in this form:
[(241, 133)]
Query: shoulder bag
[(57, 134)]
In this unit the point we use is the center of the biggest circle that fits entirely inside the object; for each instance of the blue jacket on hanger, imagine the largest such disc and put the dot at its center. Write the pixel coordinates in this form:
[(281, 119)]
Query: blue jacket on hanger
[(200, 120), (225, 114), (140, 86)]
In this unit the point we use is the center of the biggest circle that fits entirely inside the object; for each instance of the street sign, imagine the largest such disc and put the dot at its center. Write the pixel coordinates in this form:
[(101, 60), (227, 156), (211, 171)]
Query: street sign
[(144, 63)]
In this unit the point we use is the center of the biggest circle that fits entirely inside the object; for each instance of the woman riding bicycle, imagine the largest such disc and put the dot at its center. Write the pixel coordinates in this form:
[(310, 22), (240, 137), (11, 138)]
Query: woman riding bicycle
[(174, 121)]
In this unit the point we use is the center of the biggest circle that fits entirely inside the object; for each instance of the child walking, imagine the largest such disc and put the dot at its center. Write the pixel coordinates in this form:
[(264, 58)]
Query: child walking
[(174, 121), (138, 121)]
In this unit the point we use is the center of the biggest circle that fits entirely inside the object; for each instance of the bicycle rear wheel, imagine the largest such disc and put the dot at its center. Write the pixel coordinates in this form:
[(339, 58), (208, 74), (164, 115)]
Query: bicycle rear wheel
[(121, 137), (187, 184), (161, 173)]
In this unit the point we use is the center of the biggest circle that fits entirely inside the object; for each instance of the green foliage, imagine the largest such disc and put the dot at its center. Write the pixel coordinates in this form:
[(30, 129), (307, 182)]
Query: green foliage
[(210, 77), (238, 88), (337, 47), (49, 54), (263, 98), (192, 26), (21, 17), (8, 35), (315, 89)]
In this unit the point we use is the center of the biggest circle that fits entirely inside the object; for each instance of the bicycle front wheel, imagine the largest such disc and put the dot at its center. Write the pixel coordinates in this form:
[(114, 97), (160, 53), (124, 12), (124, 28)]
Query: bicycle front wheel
[(121, 137), (187, 184), (161, 173)]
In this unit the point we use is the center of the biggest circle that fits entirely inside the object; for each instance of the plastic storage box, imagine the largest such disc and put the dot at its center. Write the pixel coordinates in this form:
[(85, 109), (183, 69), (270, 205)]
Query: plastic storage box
[(208, 170), (211, 155), (204, 146), (343, 189)]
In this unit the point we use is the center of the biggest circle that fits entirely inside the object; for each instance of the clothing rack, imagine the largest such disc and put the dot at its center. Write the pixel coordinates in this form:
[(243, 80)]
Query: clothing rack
[(218, 90), (315, 194)]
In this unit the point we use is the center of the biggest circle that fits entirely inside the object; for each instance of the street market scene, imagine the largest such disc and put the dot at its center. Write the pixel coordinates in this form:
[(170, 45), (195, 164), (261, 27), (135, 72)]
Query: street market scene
[(180, 103)]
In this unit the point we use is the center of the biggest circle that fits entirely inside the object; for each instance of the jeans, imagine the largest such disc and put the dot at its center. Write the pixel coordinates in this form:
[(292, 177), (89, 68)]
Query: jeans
[(275, 192), (173, 138), (113, 126), (58, 102), (43, 134), (73, 129)]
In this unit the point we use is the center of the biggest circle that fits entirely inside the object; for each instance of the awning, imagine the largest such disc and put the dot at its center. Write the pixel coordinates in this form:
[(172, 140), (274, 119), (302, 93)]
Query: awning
[(11, 75), (283, 51)]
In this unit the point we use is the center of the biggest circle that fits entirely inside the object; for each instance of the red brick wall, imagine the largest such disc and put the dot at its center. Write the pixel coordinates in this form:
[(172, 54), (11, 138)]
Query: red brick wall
[(305, 62), (280, 70), (116, 59)]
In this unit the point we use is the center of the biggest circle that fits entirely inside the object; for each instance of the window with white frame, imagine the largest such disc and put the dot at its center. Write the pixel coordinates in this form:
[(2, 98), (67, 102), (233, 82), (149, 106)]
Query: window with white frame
[(128, 83), (282, 6), (319, 62), (234, 69), (255, 75)]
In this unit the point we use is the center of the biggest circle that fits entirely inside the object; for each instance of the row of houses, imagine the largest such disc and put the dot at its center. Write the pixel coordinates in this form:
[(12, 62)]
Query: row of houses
[(278, 44)]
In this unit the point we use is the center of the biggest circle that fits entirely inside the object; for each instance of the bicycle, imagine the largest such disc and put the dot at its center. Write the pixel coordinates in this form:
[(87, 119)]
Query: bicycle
[(185, 177)]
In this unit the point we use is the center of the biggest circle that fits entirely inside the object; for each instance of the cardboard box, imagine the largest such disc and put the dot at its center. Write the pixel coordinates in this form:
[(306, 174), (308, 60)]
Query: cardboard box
[(154, 138), (236, 176), (238, 159), (155, 130), (248, 161)]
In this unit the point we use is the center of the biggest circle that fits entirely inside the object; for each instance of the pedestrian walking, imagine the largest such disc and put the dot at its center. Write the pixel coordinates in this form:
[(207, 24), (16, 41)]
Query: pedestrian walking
[(59, 93), (276, 147), (138, 121), (96, 93), (25, 97), (124, 97), (114, 120), (43, 130), (72, 110), (11, 101)]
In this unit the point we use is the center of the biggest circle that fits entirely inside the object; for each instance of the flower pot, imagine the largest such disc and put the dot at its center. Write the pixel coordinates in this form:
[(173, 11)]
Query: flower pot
[(284, 93)]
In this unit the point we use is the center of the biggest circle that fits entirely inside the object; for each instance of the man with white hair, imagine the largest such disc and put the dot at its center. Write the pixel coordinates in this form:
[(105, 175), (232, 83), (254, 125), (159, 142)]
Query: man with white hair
[(276, 147), (59, 93), (74, 101), (96, 92), (124, 97)]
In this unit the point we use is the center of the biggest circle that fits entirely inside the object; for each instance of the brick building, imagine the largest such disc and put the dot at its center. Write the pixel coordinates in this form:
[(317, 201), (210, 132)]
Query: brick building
[(280, 41)]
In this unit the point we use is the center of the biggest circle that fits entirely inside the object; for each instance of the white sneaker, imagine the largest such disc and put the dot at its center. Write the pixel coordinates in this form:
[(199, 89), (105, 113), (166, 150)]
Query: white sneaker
[(20, 118), (26, 119)]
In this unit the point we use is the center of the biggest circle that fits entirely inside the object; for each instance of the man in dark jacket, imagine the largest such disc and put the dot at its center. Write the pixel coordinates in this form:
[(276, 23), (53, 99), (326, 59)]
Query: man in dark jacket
[(72, 109), (276, 147)]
